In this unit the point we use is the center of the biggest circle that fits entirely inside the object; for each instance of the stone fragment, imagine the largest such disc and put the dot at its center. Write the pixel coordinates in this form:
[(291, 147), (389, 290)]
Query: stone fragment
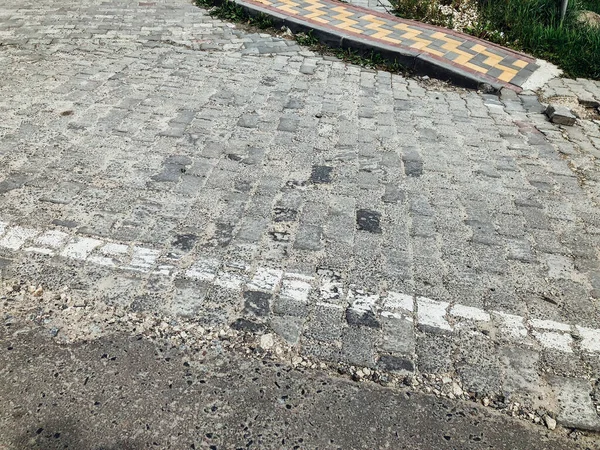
[(560, 115), (550, 422), (589, 18), (267, 341), (576, 409)]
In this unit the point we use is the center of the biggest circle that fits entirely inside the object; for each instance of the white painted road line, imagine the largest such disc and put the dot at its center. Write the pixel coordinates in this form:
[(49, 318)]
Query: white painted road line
[(590, 339), (15, 237), (432, 313), (470, 313), (80, 248), (555, 340), (395, 301), (429, 312), (265, 279), (511, 325)]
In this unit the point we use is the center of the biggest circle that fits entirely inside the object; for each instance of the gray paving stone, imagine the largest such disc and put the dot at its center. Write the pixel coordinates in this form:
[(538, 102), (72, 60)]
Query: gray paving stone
[(358, 346), (575, 403)]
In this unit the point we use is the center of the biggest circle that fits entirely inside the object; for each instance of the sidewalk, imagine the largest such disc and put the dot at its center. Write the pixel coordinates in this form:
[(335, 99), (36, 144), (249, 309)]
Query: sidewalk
[(427, 49)]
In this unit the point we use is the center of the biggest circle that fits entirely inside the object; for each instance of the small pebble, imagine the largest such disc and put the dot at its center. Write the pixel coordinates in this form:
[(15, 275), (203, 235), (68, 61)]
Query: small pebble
[(550, 422)]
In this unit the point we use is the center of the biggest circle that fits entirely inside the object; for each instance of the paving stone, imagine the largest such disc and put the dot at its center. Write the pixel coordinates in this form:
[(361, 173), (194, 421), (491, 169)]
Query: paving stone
[(434, 353), (321, 174), (358, 346), (309, 237), (289, 328), (257, 303), (575, 403), (478, 365), (368, 220), (560, 115), (395, 363), (398, 336)]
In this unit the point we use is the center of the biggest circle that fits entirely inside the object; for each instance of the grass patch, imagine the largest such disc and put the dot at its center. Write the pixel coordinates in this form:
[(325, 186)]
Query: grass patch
[(535, 26), (370, 60), (590, 5)]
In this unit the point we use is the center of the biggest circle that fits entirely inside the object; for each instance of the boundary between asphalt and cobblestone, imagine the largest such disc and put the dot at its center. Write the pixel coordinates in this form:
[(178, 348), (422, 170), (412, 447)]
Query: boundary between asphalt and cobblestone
[(335, 298)]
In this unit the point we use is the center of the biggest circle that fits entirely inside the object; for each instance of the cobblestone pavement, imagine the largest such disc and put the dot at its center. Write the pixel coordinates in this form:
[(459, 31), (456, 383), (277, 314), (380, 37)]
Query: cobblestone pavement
[(158, 159)]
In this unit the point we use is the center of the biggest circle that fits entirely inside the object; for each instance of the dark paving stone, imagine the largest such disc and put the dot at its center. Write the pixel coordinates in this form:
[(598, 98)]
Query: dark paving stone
[(285, 215), (368, 220), (321, 174), (413, 168), (395, 363), (257, 302), (362, 318), (65, 223), (248, 326), (185, 242)]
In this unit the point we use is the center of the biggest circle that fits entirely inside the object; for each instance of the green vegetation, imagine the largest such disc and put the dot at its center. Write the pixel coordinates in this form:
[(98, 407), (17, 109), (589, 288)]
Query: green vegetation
[(372, 59), (423, 11), (590, 5), (533, 26), (232, 12)]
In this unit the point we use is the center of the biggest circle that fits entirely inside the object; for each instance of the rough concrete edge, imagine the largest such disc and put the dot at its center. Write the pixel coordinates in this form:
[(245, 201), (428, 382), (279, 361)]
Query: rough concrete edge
[(546, 72), (563, 388), (416, 61)]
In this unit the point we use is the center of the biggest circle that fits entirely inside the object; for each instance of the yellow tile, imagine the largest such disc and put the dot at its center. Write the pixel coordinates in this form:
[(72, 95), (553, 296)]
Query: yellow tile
[(389, 39), (348, 27), (463, 59), (492, 60), (402, 26), (418, 45), (520, 63), (432, 51), (380, 34), (476, 68), (478, 48), (410, 35), (506, 76)]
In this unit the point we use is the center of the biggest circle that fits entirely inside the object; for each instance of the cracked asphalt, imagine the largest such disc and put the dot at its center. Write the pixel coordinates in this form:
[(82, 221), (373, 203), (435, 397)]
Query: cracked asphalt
[(164, 163)]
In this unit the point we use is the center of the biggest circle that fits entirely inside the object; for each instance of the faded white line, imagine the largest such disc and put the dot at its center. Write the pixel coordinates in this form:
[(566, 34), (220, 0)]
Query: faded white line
[(432, 313), (15, 237), (329, 287), (470, 313), (80, 248)]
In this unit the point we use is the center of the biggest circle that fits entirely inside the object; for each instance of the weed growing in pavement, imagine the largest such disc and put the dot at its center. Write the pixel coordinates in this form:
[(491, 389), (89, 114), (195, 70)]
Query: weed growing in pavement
[(307, 39), (231, 11), (372, 60)]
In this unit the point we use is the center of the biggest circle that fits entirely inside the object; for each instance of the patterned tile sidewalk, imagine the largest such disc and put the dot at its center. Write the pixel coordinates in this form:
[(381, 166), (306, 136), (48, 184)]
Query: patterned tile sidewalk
[(428, 49)]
